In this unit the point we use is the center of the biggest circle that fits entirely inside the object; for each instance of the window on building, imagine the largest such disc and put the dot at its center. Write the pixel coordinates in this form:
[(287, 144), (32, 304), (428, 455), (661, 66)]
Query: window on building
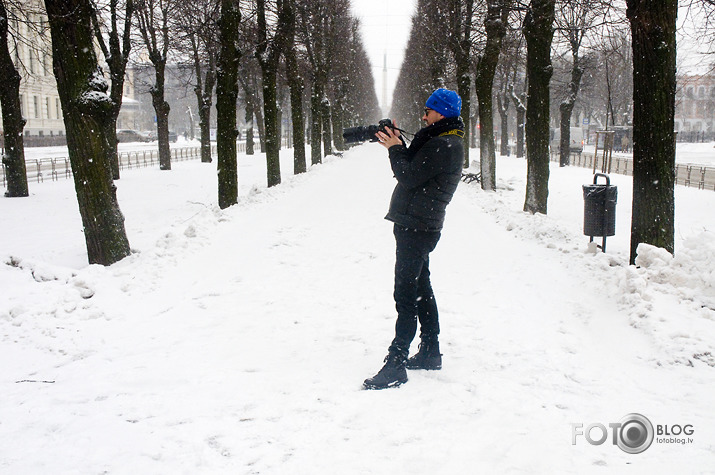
[(58, 109), (690, 109), (700, 110), (48, 64), (47, 107), (17, 45), (36, 101)]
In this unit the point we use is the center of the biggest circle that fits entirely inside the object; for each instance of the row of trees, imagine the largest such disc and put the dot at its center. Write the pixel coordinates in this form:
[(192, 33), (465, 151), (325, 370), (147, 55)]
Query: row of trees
[(505, 48), (312, 48), (489, 45)]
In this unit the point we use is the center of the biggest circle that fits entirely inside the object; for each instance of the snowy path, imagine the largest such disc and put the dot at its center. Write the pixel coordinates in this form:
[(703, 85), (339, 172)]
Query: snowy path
[(238, 342)]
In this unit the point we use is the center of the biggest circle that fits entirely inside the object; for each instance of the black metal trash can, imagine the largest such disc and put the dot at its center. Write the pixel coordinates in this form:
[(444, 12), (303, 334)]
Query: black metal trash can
[(599, 208)]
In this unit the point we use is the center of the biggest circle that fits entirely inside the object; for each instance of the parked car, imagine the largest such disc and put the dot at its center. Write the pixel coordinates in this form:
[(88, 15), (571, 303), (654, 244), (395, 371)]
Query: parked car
[(576, 136), (152, 135), (128, 135)]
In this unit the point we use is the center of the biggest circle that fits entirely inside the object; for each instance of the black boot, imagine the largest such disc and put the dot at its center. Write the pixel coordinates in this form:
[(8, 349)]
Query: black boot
[(428, 356), (392, 374)]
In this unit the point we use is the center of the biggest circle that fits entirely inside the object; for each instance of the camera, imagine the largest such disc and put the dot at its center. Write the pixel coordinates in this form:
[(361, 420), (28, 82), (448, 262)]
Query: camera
[(366, 132)]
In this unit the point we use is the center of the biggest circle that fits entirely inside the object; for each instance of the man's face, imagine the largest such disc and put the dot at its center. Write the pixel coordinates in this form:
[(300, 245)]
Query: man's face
[(431, 116)]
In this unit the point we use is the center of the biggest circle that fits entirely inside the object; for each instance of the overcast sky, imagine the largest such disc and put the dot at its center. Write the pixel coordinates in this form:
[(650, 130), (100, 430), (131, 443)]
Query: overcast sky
[(385, 30)]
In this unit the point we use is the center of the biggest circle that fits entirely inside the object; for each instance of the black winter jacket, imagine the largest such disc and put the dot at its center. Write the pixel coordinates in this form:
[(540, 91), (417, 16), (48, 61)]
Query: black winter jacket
[(427, 174)]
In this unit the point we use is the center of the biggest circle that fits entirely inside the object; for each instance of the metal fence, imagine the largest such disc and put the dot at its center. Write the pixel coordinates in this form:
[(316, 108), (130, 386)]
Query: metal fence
[(55, 168), (695, 136), (696, 176)]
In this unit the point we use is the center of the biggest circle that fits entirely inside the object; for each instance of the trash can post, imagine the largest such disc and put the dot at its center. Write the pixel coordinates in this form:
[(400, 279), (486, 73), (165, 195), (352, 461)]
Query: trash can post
[(599, 214)]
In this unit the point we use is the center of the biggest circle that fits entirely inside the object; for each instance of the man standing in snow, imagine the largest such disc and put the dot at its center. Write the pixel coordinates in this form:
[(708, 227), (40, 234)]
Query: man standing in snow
[(427, 173)]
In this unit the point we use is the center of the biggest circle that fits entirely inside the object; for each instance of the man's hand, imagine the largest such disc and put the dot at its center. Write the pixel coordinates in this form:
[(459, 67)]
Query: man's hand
[(390, 137)]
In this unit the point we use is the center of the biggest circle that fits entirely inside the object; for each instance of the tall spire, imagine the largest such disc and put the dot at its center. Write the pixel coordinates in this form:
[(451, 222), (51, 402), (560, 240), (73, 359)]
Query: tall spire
[(385, 106)]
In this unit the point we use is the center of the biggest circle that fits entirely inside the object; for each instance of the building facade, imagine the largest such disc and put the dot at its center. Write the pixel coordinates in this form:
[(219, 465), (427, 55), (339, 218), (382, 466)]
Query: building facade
[(31, 49), (39, 100), (695, 108)]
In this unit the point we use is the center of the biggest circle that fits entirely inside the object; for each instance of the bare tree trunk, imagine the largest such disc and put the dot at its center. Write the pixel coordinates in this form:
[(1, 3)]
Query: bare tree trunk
[(464, 86), (566, 108), (296, 101), (205, 70), (161, 108), (473, 122), (204, 99), (268, 55), (226, 97), (327, 130), (538, 31), (13, 123), (87, 109), (314, 26), (503, 105), (253, 108), (336, 114), (279, 117), (249, 128), (295, 82), (116, 53), (191, 123), (487, 152), (653, 25), (495, 25), (154, 28), (460, 43), (520, 105), (272, 137), (260, 121), (316, 124)]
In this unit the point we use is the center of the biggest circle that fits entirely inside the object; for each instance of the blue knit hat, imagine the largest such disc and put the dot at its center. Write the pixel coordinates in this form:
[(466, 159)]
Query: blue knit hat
[(446, 102)]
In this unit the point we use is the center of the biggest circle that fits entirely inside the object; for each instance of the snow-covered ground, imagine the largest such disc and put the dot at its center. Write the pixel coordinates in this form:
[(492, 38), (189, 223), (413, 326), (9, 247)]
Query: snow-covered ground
[(696, 153), (60, 151), (702, 154), (236, 341)]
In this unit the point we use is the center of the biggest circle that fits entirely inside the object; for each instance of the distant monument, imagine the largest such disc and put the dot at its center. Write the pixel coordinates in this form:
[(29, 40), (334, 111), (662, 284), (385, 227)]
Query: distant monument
[(385, 106)]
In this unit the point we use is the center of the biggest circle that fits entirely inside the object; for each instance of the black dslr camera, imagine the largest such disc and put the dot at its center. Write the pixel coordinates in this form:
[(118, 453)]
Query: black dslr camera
[(366, 132)]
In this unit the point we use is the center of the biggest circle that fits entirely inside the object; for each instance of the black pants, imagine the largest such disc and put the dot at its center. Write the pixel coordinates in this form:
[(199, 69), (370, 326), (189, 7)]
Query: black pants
[(414, 298)]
